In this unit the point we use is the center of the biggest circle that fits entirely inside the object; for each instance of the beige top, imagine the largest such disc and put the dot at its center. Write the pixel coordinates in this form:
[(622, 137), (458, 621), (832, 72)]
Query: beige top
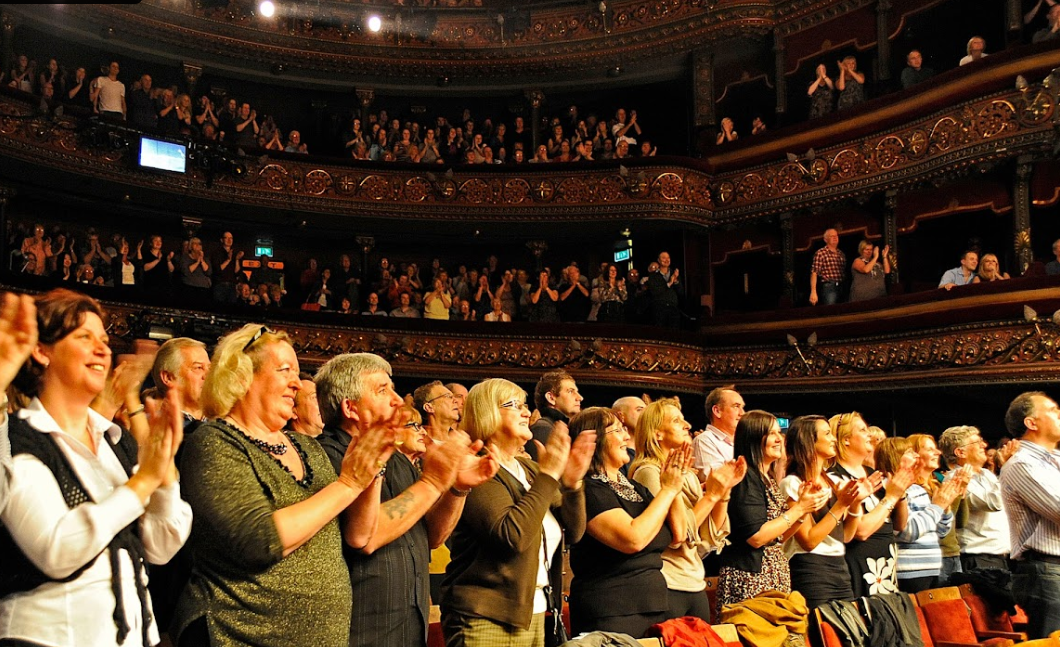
[(683, 561)]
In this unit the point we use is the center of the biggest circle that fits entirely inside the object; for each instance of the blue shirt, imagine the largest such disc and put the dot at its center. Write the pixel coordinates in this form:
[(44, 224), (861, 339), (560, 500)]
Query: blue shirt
[(956, 277)]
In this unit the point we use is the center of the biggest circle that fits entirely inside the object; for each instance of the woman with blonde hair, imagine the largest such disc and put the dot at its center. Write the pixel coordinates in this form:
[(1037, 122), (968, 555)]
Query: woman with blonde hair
[(267, 540), (871, 553), (930, 519), (506, 563), (990, 270), (701, 514)]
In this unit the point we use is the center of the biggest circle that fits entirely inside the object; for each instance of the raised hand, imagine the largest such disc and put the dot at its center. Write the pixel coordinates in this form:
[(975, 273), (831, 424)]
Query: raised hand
[(18, 335), (1007, 450), (366, 456), (552, 456), (725, 477), (581, 455), (673, 469), (849, 494), (950, 489)]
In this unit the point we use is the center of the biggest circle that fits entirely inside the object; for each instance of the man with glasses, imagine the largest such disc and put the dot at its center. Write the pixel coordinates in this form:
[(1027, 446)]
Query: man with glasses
[(557, 400), (438, 407), (982, 525), (420, 508), (1030, 490)]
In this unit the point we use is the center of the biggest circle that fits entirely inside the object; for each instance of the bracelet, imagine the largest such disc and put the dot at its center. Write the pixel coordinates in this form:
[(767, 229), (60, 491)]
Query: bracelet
[(135, 412), (831, 514), (784, 516), (459, 493)]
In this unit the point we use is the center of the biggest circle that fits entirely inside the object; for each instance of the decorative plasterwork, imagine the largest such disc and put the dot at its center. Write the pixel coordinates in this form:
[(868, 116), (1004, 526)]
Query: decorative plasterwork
[(976, 353), (942, 145)]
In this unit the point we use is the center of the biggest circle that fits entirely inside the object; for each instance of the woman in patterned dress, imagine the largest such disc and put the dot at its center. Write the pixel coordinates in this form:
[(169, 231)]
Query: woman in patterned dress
[(755, 560), (871, 554)]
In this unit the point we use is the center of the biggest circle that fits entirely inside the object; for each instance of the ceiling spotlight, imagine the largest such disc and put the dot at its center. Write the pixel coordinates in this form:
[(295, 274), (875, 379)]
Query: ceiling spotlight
[(266, 8), (375, 23)]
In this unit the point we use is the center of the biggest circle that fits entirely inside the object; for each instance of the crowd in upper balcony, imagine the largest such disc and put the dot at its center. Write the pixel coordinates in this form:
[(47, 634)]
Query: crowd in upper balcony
[(379, 136)]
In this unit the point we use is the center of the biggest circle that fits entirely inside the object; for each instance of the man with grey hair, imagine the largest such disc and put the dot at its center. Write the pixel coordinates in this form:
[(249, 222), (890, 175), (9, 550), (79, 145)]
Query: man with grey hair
[(438, 407), (714, 446), (390, 574), (982, 525), (181, 364)]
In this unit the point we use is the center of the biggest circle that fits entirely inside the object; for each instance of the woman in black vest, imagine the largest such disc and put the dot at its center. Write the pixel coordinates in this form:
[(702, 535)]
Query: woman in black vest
[(82, 517)]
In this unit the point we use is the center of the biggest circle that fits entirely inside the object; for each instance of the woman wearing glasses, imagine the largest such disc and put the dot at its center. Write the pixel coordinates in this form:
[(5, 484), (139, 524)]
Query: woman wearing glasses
[(506, 554), (266, 540), (618, 583)]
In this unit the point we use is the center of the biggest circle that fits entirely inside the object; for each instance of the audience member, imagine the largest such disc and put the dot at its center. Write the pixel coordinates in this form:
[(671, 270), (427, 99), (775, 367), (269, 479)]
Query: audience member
[(976, 50), (728, 132), (142, 110), (963, 274), (1053, 30), (195, 270), (982, 525), (419, 506), (108, 94), (702, 510), (869, 272), (227, 264), (714, 445), (850, 83), (1052, 268), (306, 418), (915, 72), (989, 270), (499, 582), (664, 289), (828, 270), (557, 400), (1030, 492)]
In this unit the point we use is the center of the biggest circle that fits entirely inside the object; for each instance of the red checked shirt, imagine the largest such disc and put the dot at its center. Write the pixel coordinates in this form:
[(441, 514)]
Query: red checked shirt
[(829, 265)]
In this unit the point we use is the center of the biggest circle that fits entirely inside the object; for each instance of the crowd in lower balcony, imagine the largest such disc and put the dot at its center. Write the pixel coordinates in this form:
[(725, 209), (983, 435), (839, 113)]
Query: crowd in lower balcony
[(224, 273)]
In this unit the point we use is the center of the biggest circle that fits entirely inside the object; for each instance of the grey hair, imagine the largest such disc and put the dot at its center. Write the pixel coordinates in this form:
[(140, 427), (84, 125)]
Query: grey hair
[(342, 378), (953, 439), (169, 358)]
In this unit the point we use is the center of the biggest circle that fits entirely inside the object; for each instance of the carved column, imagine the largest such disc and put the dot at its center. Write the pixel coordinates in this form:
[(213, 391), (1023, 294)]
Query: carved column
[(365, 96), (6, 193), (537, 98), (787, 242), (703, 90), (7, 40), (780, 63), (1021, 214), (883, 43), (890, 231), (192, 74)]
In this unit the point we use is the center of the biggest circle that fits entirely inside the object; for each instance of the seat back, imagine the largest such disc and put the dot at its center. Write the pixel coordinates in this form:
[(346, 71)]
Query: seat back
[(947, 616), (983, 619)]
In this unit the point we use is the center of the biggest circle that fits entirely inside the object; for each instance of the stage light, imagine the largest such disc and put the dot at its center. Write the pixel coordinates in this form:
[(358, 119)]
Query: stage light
[(266, 8), (375, 23)]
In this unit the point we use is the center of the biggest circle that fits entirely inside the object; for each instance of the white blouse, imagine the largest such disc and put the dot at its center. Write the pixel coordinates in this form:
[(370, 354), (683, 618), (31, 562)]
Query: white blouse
[(58, 540)]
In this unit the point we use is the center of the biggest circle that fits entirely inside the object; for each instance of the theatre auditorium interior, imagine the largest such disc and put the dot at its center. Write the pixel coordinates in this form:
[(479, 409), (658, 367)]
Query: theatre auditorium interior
[(668, 169)]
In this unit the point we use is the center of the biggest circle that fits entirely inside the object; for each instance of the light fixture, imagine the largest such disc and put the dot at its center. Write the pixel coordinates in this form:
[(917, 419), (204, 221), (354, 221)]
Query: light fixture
[(375, 23), (266, 8)]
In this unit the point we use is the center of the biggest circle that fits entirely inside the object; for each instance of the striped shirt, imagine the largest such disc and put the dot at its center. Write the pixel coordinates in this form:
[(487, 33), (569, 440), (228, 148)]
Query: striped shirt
[(919, 553), (1030, 489)]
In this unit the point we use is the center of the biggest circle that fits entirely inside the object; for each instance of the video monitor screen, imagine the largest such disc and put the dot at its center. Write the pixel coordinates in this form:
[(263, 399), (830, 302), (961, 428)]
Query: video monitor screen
[(163, 155)]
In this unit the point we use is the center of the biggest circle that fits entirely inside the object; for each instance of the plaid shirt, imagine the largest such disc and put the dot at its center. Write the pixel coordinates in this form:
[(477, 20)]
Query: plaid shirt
[(829, 265)]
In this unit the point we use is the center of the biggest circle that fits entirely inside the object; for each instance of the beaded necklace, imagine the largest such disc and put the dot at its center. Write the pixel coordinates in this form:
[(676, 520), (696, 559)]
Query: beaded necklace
[(269, 449)]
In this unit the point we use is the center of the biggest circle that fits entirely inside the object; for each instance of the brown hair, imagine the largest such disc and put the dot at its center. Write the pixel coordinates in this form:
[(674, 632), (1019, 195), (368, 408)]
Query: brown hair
[(597, 419), (59, 313), (889, 454)]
